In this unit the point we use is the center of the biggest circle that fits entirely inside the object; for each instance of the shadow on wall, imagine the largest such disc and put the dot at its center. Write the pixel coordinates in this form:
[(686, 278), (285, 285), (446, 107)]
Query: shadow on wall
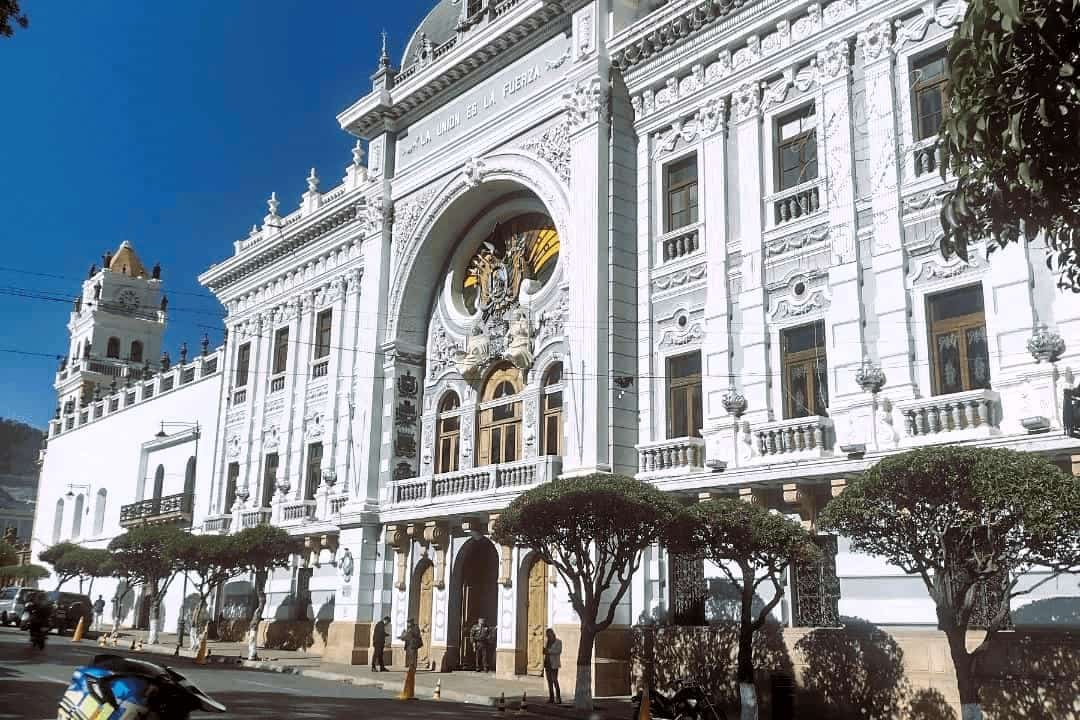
[(1033, 674), (291, 634), (1057, 612)]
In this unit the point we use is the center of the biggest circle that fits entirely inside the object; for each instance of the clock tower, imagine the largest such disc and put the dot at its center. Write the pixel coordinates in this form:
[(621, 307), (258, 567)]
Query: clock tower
[(116, 327)]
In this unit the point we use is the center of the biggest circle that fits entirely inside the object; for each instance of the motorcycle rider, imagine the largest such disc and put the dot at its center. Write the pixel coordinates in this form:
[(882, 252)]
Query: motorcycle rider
[(40, 611)]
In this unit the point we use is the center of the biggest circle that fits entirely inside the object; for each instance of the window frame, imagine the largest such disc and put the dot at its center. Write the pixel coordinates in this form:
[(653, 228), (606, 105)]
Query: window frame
[(956, 324), (269, 478), (324, 326), (232, 480), (112, 348), (684, 385), (808, 359), (503, 433), (281, 351), (920, 86), (806, 137), (692, 188), (551, 415), (136, 356), (448, 441), (243, 365), (312, 469)]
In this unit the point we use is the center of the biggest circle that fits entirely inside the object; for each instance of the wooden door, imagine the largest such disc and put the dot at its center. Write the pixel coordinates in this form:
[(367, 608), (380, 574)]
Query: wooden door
[(537, 616), (427, 582)]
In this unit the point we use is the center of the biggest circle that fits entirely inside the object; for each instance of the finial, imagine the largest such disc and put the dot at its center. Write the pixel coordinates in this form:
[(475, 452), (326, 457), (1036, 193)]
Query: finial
[(272, 204), (183, 353), (156, 272), (204, 344), (384, 57), (358, 154), (254, 230), (312, 182)]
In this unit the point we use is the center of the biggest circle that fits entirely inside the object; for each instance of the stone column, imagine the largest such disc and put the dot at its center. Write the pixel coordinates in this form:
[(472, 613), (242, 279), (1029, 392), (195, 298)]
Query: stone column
[(258, 386), (753, 338), (586, 369)]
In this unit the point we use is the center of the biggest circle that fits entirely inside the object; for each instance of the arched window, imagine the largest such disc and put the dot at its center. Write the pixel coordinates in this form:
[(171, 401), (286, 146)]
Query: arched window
[(99, 511), (159, 482), (76, 520), (551, 432), (136, 351), (500, 417), (58, 521), (448, 429), (189, 477), (112, 349)]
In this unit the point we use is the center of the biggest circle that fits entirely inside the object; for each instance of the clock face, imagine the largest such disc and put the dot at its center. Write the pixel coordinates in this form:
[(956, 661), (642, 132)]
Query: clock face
[(128, 299)]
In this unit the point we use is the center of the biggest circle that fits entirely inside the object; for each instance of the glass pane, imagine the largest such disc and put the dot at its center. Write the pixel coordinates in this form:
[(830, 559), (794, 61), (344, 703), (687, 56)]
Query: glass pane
[(810, 158), (496, 445), (444, 455), (503, 412), (957, 303), (677, 202), (947, 347), (684, 365), (511, 445), (805, 337), (695, 401), (551, 435), (451, 424), (798, 391), (821, 386), (553, 401), (977, 357), (679, 417)]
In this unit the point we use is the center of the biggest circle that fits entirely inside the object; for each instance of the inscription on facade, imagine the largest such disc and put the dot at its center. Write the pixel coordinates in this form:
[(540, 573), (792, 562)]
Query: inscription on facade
[(495, 96)]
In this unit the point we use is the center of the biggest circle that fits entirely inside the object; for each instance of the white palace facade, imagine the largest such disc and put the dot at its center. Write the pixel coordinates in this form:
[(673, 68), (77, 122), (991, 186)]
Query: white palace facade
[(695, 242)]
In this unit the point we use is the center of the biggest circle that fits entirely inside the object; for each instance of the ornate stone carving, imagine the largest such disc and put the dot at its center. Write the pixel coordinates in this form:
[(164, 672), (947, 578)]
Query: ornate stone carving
[(734, 402), (553, 320), (407, 214), (553, 147), (680, 278), (233, 446), (692, 333), (270, 438), (313, 426), (787, 308), (1045, 345), (474, 172), (832, 62), (745, 102), (875, 40), (870, 377), (443, 350), (710, 116), (799, 241), (586, 102)]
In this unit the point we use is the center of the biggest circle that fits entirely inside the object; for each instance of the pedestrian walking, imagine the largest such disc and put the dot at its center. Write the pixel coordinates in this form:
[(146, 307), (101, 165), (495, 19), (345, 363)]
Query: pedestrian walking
[(413, 642), (378, 642), (99, 611), (552, 663), (483, 639)]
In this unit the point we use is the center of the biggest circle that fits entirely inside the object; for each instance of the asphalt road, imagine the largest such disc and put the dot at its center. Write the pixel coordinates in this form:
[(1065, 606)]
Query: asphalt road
[(32, 681)]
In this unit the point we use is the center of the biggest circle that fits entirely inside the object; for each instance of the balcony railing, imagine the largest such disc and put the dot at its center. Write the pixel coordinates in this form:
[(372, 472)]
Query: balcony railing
[(674, 456), (475, 483), (796, 203), (680, 243), (157, 511), (277, 384), (254, 517), (320, 368), (795, 438), (957, 416), (217, 523), (239, 396), (298, 511), (926, 156), (336, 503)]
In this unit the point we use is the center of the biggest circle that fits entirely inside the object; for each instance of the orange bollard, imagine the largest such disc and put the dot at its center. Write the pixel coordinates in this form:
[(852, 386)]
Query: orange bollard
[(408, 690), (80, 630), (645, 713), (200, 657)]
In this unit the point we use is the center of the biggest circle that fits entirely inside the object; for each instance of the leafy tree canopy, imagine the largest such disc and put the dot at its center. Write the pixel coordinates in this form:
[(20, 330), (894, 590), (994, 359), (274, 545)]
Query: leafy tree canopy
[(72, 561), (8, 556), (11, 14), (264, 548), (1012, 133), (23, 573), (147, 554)]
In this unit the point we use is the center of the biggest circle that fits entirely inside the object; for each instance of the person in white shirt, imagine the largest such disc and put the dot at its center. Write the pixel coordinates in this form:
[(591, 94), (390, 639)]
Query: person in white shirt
[(552, 653)]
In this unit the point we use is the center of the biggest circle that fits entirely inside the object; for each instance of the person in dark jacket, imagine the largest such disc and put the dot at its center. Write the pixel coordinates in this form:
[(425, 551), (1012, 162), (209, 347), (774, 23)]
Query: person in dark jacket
[(378, 641)]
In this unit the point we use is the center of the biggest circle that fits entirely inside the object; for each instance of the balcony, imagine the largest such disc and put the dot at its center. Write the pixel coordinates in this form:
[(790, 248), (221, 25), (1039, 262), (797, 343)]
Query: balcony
[(320, 368), (157, 511), (474, 483), (802, 438), (795, 203), (950, 418), (926, 157), (676, 456), (277, 384), (239, 396), (217, 523), (297, 512), (254, 517), (680, 243)]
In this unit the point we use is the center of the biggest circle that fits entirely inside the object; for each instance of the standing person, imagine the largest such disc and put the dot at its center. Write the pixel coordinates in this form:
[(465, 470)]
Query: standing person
[(413, 642), (552, 663), (482, 640), (99, 611), (378, 641)]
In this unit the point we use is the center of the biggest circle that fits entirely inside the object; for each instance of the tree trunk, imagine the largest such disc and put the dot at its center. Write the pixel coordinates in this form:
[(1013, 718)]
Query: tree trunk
[(748, 703), (966, 683), (155, 613), (583, 685), (256, 617)]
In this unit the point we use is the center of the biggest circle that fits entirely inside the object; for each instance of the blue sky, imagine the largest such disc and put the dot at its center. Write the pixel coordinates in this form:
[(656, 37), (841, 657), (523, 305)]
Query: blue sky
[(166, 124)]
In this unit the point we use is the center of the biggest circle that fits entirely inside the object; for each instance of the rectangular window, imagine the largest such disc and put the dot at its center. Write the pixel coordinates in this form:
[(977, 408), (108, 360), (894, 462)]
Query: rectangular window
[(928, 94), (681, 193), (449, 433), (323, 323), (281, 350), (270, 466), (314, 470), (230, 486), (796, 148), (958, 347), (243, 363), (552, 433), (684, 396), (806, 371)]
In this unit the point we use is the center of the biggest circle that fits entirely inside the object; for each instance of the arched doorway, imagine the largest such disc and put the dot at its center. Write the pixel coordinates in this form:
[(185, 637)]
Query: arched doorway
[(532, 615), (420, 604), (473, 595)]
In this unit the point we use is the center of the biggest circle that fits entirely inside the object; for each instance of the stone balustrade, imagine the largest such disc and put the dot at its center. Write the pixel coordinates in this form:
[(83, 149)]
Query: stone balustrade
[(926, 156), (217, 523), (253, 517), (474, 483), (337, 502), (795, 203), (674, 456), (297, 511), (957, 416), (680, 243), (794, 438)]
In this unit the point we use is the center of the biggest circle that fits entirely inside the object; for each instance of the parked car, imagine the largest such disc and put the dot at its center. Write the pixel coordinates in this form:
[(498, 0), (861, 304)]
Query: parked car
[(12, 600), (67, 609)]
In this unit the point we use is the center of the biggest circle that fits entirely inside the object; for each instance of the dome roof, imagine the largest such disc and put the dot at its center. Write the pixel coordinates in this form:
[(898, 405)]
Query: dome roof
[(125, 261), (439, 26)]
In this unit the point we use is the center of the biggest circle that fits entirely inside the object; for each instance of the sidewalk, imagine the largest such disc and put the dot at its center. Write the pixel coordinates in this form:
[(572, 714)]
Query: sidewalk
[(463, 687)]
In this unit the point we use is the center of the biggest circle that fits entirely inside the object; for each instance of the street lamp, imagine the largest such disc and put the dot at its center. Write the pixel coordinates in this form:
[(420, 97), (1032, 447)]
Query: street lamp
[(71, 490)]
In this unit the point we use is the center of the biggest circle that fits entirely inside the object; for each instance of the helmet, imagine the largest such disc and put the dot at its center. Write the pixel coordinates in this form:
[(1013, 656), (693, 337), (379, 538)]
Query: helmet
[(116, 687)]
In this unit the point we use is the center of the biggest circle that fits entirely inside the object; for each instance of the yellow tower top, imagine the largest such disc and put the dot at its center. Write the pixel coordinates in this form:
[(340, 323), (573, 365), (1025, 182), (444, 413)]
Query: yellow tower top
[(125, 261)]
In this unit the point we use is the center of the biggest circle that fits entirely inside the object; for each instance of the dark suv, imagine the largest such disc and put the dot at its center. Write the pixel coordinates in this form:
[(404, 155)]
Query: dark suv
[(67, 608)]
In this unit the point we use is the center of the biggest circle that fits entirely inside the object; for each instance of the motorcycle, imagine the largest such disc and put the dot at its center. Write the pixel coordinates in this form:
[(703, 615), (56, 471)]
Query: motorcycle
[(688, 702), (36, 620), (113, 687)]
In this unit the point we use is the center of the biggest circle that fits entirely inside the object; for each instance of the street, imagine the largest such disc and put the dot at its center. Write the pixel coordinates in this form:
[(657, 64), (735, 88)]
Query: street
[(32, 681)]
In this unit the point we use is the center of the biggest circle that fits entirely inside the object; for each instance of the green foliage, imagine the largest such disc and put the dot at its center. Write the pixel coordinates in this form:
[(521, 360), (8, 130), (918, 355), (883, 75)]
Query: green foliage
[(146, 556), (211, 559), (264, 548), (22, 573), (11, 13), (72, 561), (8, 556), (731, 530), (1012, 132)]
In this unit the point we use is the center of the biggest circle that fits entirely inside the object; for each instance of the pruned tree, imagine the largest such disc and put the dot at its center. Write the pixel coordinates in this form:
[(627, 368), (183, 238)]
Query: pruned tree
[(22, 574), (752, 547), (261, 550), (62, 557), (147, 555), (8, 556), (1011, 128), (966, 520), (592, 530), (11, 15), (209, 561)]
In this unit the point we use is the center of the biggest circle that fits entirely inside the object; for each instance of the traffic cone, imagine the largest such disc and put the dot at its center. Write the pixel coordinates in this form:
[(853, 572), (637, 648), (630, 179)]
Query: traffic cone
[(500, 707), (200, 657), (523, 709), (80, 630), (132, 644), (438, 690), (645, 713), (408, 690)]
